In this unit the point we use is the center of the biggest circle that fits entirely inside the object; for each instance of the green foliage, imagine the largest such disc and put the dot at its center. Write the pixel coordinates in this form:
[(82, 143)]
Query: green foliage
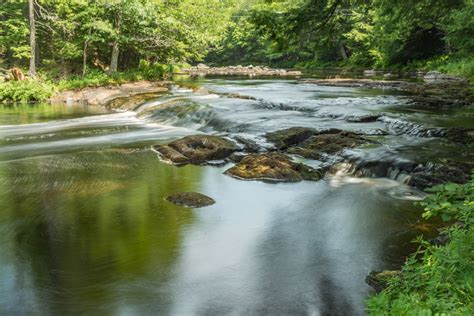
[(450, 201), (375, 33), (437, 280), (25, 91), (69, 32)]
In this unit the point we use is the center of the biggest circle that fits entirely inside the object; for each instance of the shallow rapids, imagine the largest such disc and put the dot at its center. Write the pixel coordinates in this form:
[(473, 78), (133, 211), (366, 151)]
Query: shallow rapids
[(85, 227)]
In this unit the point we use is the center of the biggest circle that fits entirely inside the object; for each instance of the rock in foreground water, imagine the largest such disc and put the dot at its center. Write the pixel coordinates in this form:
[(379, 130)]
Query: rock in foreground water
[(196, 149), (272, 167), (190, 199)]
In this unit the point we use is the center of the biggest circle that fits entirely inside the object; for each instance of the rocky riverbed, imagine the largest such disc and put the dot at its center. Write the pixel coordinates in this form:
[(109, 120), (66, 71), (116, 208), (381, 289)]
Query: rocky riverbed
[(251, 71)]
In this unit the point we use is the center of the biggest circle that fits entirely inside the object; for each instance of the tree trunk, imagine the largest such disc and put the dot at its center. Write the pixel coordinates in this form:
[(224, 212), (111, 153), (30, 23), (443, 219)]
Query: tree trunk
[(84, 59), (343, 52), (114, 59), (31, 11), (84, 54), (115, 47)]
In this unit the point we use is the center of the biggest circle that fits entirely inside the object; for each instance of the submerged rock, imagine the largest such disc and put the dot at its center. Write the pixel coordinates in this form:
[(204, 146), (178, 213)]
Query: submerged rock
[(272, 167), (328, 142), (290, 136), (190, 199), (196, 149), (378, 280), (369, 118)]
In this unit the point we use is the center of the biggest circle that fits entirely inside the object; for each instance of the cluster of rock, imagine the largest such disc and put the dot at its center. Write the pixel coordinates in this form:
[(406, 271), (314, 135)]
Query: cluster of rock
[(202, 70), (276, 165)]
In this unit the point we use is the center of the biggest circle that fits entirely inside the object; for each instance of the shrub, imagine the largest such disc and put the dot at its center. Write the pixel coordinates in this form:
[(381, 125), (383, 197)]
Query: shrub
[(25, 91), (437, 280)]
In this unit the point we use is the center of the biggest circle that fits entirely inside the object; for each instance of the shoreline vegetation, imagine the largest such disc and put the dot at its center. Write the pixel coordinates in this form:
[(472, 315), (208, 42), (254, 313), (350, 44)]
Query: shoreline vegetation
[(438, 278), (47, 89)]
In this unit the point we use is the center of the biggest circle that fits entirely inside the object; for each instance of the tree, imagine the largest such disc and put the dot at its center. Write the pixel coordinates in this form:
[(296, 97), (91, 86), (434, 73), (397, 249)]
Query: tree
[(31, 14)]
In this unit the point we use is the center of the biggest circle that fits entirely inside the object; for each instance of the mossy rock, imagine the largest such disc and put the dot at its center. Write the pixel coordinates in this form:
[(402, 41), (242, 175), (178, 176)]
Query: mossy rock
[(379, 280), (190, 199), (272, 167), (290, 136), (328, 142), (196, 149)]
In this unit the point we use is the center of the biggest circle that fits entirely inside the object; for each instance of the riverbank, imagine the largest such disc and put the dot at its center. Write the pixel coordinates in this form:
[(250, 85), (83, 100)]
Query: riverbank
[(251, 71), (105, 95), (437, 279)]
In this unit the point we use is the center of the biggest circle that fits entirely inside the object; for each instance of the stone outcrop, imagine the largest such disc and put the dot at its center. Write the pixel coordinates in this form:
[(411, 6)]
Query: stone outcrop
[(196, 149), (273, 167)]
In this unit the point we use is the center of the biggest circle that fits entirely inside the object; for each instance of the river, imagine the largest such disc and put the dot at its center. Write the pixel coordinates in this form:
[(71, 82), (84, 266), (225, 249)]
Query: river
[(85, 228)]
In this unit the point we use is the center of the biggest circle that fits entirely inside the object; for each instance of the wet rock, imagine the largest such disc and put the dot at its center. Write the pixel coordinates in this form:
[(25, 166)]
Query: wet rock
[(196, 149), (460, 135), (441, 240), (289, 137), (450, 171), (436, 77), (378, 280), (273, 167), (327, 142), (248, 145), (362, 83), (363, 118), (190, 199)]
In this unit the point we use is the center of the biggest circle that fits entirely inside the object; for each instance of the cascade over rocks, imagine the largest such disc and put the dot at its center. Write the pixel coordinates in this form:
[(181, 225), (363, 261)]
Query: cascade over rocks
[(196, 149), (274, 167)]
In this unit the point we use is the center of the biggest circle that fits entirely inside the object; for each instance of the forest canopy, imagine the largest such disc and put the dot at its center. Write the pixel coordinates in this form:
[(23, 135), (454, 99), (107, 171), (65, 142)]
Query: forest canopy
[(117, 35)]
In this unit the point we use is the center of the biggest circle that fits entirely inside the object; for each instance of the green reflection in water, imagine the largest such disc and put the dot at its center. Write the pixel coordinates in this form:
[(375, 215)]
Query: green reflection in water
[(43, 112), (83, 228)]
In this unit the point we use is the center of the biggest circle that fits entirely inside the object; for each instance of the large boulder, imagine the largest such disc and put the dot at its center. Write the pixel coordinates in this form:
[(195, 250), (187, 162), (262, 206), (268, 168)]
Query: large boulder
[(196, 149), (290, 136), (450, 171), (273, 167), (190, 199), (328, 142)]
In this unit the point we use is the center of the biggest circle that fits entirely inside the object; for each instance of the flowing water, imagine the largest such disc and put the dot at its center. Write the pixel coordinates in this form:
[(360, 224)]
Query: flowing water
[(85, 228)]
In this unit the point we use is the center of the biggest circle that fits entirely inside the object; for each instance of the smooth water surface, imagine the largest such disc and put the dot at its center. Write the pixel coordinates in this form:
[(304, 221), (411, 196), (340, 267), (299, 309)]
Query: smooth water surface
[(85, 229)]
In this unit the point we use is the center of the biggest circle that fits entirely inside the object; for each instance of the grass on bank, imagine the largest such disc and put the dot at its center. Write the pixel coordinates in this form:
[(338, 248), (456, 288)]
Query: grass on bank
[(437, 280), (45, 85)]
